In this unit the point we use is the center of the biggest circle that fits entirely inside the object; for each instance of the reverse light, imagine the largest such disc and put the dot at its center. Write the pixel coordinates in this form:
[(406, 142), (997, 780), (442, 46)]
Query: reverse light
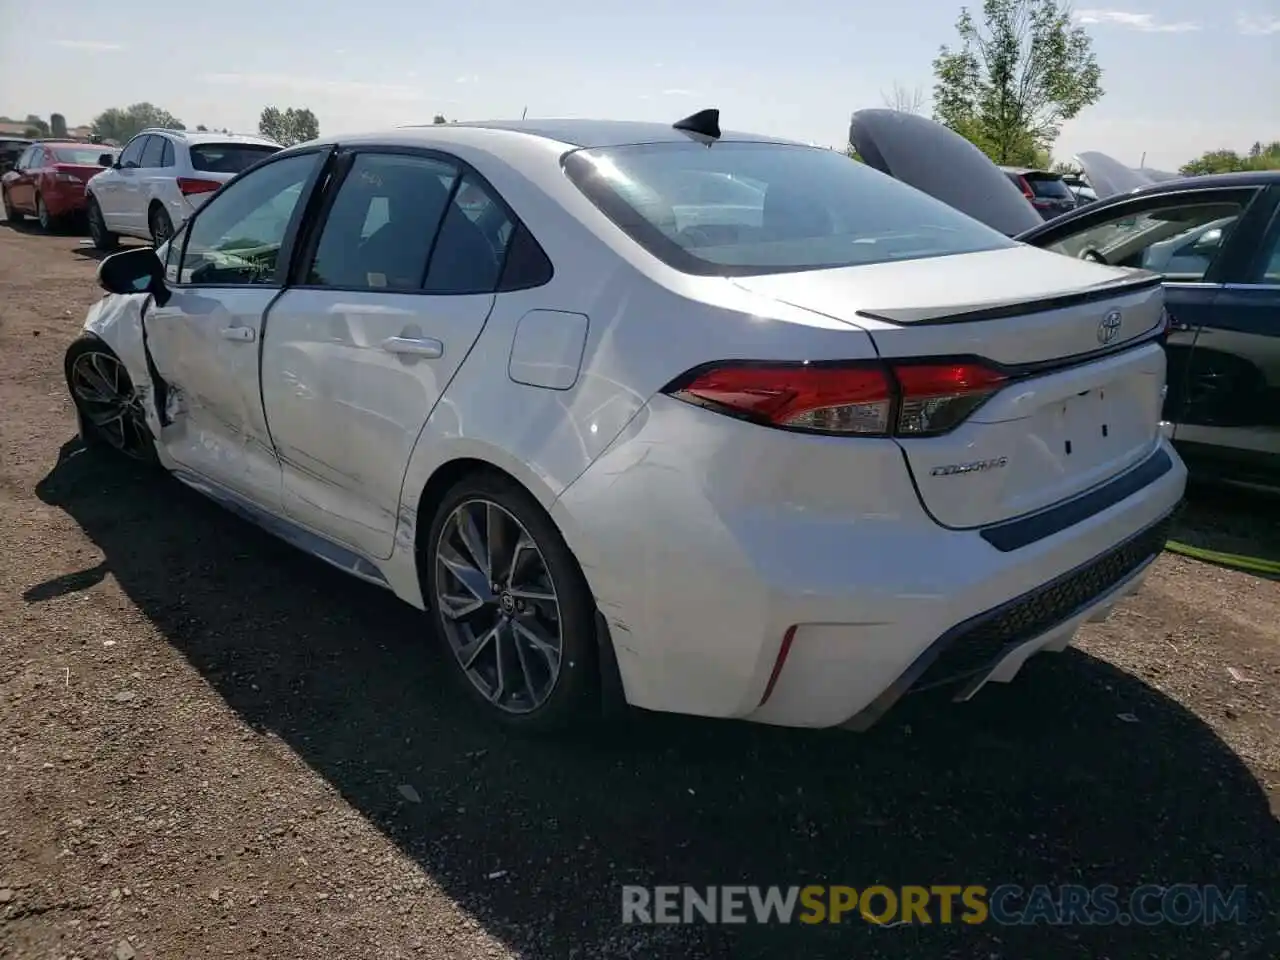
[(191, 186), (872, 399)]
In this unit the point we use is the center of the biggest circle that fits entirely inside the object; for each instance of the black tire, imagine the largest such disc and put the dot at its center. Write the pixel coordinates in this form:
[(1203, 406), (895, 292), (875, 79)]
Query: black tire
[(48, 222), (160, 224), (10, 214), (133, 438), (103, 239), (574, 696)]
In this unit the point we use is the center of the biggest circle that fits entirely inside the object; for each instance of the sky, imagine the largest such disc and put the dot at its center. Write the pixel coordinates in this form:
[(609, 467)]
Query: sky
[(1181, 76)]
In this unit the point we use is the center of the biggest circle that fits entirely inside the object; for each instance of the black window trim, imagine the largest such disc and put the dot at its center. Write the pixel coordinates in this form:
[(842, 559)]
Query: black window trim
[(305, 209), (345, 158)]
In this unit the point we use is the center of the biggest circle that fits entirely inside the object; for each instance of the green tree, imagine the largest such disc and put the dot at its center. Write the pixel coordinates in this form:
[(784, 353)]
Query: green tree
[(289, 126), (438, 119), (1259, 157), (1013, 80), (201, 128), (57, 125), (120, 124)]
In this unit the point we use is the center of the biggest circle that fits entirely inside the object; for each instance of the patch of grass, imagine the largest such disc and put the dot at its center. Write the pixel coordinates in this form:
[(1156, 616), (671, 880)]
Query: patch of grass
[(1235, 561)]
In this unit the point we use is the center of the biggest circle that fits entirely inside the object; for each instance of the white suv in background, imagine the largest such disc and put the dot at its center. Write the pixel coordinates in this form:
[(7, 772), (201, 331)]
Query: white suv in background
[(162, 177)]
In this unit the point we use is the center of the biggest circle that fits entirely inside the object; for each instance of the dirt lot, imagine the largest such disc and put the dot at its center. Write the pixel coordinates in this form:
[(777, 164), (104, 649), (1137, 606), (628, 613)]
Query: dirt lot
[(208, 742)]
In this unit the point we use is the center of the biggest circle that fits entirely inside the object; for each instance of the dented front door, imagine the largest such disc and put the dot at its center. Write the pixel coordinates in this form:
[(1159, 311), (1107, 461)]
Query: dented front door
[(205, 340)]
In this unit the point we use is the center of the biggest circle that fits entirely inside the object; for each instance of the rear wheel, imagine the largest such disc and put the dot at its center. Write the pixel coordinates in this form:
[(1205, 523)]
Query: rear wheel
[(10, 214), (42, 214), (160, 224), (512, 606), (110, 410), (103, 239)]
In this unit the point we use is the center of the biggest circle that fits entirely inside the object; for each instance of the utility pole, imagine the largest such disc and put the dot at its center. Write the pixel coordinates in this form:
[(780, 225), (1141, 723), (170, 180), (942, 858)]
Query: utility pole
[(524, 113)]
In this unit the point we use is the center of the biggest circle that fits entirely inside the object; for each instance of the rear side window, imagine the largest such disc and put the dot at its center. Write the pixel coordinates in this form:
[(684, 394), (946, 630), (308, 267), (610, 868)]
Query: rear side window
[(166, 158), (379, 230), (739, 209), (228, 157), (472, 244)]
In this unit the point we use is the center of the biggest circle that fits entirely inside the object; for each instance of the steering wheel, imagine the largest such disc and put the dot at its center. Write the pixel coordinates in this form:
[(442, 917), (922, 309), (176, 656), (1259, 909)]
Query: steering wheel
[(694, 236), (1092, 255)]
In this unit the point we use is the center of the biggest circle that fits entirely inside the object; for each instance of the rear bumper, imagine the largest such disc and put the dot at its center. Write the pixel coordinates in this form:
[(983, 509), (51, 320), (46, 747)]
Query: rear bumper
[(64, 199), (706, 541)]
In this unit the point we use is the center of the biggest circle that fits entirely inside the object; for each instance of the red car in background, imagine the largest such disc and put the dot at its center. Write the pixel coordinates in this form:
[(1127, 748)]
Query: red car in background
[(48, 180)]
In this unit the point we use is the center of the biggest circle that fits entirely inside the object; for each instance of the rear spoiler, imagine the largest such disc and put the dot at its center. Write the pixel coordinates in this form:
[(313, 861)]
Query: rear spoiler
[(974, 313)]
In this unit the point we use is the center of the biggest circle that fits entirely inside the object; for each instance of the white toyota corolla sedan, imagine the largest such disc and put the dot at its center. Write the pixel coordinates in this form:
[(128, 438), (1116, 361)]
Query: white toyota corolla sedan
[(701, 422)]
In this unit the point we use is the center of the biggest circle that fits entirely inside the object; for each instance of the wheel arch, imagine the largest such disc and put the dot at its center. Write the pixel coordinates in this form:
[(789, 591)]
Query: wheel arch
[(451, 471)]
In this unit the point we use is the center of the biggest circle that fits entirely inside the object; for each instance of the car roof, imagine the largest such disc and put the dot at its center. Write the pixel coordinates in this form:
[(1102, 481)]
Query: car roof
[(1020, 171), (1240, 178), (210, 136), (71, 143), (586, 134)]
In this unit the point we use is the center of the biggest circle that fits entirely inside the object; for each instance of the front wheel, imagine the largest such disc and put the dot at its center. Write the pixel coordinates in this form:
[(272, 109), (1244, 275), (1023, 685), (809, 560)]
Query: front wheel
[(512, 605), (103, 239), (109, 408)]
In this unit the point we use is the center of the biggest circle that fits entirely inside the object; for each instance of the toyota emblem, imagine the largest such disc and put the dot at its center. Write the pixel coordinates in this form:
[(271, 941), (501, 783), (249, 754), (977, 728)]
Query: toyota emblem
[(1109, 328)]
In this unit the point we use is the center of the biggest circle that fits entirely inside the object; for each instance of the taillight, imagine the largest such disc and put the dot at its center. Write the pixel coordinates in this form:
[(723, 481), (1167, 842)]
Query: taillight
[(936, 397), (63, 175), (905, 399), (1026, 189), (190, 186), (846, 398)]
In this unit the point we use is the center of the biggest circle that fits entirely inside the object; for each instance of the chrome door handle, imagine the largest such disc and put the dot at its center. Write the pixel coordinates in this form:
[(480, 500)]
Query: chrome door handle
[(239, 334), (414, 347)]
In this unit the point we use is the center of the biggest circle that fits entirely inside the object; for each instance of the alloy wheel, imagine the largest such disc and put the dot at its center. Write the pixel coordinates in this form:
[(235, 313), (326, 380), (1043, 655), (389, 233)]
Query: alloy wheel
[(498, 606), (107, 399), (161, 228)]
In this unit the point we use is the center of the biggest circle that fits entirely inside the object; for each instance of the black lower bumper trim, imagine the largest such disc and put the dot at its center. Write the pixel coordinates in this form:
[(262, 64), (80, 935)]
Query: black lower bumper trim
[(978, 643)]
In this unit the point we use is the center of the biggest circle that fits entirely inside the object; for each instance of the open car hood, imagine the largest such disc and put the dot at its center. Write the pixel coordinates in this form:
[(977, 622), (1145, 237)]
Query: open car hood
[(1108, 176), (943, 164)]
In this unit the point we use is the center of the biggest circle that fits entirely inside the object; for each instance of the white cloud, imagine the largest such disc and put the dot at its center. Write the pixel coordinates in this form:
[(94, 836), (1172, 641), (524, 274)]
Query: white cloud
[(1145, 22), (677, 92), (1257, 26), (467, 78), (95, 45), (316, 85)]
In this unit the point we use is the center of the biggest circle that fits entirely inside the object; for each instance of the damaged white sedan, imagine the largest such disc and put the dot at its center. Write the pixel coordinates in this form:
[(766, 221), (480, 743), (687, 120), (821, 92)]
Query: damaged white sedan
[(701, 422)]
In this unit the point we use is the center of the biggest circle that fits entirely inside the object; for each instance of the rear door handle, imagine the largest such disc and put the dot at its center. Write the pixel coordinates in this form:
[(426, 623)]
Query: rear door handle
[(414, 347), (239, 334)]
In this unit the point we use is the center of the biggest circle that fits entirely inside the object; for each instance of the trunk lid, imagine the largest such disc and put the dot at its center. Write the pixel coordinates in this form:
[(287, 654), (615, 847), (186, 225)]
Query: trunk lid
[(1076, 340), (84, 171), (1108, 176)]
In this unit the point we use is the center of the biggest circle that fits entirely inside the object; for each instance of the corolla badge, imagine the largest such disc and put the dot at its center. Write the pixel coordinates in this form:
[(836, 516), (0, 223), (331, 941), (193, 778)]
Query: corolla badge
[(977, 466), (1109, 328)]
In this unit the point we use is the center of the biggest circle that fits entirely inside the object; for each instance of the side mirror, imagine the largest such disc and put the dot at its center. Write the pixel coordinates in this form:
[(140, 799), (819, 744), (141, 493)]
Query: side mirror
[(106, 160), (134, 271)]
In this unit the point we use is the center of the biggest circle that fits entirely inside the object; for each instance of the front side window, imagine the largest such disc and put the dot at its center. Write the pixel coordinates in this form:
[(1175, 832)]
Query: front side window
[(1180, 240), (153, 153), (131, 156), (36, 160), (237, 236), (737, 209)]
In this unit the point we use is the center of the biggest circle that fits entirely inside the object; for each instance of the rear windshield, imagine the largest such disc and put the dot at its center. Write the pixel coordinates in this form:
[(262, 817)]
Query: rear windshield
[(1048, 186), (228, 157), (83, 156), (738, 209)]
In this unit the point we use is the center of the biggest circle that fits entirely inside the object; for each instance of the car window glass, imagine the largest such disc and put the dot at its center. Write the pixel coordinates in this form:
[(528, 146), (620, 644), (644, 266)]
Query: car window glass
[(133, 152), (1179, 241), (166, 159), (237, 236), (780, 207), (469, 254), (153, 153), (1270, 262), (26, 155), (379, 231), (36, 160)]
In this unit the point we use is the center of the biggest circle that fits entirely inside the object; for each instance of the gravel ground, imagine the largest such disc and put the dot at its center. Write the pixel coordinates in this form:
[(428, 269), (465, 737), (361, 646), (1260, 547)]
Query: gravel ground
[(215, 746)]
